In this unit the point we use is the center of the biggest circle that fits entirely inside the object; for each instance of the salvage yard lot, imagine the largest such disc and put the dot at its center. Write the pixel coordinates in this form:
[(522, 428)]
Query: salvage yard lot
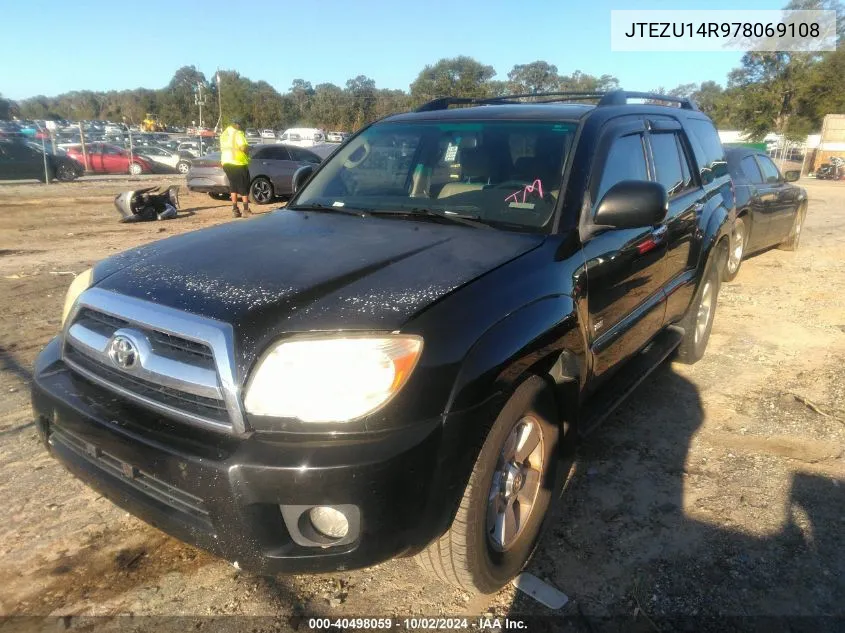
[(717, 489)]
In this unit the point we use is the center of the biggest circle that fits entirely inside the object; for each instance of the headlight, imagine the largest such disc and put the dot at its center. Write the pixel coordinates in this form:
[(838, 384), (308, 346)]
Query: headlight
[(331, 379), (77, 287)]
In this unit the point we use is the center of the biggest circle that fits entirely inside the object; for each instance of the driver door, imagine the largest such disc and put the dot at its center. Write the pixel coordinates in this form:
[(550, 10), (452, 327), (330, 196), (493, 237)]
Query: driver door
[(625, 267)]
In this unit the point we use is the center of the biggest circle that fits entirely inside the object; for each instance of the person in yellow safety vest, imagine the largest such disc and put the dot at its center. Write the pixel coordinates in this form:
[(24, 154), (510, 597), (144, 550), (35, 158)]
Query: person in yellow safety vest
[(234, 156)]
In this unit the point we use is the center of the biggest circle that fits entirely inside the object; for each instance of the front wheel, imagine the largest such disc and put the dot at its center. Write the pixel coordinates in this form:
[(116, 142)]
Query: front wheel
[(66, 173), (135, 169), (503, 508), (791, 242), (183, 167), (739, 238)]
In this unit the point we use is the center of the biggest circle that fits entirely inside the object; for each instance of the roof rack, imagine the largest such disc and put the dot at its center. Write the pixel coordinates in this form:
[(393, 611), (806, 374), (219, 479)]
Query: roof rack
[(614, 97), (620, 97)]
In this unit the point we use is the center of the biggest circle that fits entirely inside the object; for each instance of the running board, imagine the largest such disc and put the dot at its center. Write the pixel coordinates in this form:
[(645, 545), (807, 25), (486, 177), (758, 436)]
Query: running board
[(628, 378)]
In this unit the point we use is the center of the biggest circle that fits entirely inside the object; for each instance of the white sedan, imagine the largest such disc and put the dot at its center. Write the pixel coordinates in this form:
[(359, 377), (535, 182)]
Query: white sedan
[(268, 134), (166, 158)]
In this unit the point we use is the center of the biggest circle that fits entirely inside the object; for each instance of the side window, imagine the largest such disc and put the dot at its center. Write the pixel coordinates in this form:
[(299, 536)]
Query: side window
[(770, 173), (625, 161), (262, 153), (277, 153), (667, 162), (302, 155), (709, 152), (751, 170)]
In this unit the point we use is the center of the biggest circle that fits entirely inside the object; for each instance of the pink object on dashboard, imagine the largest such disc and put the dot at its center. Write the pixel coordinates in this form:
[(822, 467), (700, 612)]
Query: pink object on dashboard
[(534, 186)]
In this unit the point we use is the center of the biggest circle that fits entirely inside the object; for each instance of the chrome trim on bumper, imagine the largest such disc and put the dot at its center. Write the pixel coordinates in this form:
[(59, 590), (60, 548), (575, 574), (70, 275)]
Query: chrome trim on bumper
[(218, 336)]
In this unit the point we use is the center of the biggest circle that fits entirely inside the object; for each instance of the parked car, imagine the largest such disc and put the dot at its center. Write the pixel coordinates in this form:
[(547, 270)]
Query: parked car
[(194, 148), (770, 211), (165, 158), (110, 159), (19, 161), (274, 171), (268, 134), (400, 361), (334, 137), (252, 133), (302, 136)]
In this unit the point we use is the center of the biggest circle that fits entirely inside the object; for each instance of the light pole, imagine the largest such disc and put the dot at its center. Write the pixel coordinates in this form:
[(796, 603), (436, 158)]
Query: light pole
[(199, 99), (219, 102)]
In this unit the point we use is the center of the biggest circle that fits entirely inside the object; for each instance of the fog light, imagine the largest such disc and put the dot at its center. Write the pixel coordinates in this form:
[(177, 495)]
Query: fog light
[(329, 522)]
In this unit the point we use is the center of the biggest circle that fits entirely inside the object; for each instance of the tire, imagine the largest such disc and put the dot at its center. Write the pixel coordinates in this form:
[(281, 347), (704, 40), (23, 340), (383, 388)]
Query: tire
[(736, 249), (66, 173), (183, 167), (471, 555), (136, 169), (218, 196), (791, 242), (261, 191), (697, 323)]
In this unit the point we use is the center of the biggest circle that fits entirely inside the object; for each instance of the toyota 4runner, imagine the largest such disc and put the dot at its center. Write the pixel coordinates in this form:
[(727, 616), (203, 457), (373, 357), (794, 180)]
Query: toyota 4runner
[(400, 361)]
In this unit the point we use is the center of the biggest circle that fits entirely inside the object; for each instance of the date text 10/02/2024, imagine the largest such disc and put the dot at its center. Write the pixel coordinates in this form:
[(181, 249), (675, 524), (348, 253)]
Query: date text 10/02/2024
[(419, 624)]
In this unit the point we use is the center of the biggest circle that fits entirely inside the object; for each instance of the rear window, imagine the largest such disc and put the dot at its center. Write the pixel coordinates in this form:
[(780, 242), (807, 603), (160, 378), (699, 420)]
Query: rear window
[(709, 153)]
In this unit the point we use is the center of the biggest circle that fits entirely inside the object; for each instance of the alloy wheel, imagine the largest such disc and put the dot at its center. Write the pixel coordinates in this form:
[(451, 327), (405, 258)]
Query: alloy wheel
[(261, 191), (738, 246), (516, 482), (705, 309)]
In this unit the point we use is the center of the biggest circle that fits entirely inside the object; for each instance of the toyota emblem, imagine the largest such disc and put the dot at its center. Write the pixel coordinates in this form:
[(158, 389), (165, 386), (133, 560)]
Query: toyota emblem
[(123, 352)]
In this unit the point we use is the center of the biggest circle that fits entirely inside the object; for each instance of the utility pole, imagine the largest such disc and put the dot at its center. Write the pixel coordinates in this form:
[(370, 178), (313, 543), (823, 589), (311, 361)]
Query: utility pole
[(84, 151), (199, 100), (219, 103)]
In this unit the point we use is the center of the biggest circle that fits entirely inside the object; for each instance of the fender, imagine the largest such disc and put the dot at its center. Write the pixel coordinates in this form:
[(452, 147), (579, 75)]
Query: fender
[(530, 340), (542, 337)]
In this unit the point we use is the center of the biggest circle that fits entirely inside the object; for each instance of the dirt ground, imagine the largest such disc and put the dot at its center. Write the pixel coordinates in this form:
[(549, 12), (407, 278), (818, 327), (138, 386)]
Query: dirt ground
[(717, 490)]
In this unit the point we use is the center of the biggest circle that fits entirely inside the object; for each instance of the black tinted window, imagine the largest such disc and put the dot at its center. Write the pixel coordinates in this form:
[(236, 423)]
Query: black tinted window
[(303, 155), (667, 162), (708, 149), (625, 161), (770, 172), (751, 170)]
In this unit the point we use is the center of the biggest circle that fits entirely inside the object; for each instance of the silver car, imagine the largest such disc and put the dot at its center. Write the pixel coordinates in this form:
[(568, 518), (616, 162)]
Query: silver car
[(273, 170)]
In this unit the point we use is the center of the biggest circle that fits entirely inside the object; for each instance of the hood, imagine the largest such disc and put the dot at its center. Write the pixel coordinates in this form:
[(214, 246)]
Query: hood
[(292, 271)]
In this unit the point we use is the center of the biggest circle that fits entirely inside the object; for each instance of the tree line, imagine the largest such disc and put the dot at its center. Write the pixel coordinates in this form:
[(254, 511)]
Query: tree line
[(781, 92)]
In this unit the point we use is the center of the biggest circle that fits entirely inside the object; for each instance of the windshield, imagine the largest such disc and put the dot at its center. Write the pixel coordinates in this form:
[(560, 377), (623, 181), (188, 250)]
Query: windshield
[(506, 172)]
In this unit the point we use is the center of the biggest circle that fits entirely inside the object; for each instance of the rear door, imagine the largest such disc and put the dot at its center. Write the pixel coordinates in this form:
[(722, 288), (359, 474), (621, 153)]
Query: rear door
[(673, 168), (95, 157), (625, 267), (760, 212), (115, 160), (274, 162), (780, 200)]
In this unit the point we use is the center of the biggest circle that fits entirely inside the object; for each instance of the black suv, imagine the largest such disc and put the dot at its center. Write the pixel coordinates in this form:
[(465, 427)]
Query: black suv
[(400, 361)]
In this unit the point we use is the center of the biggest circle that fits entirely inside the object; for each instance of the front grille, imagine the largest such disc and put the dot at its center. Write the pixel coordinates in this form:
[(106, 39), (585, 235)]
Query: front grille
[(210, 408), (161, 491), (175, 375), (174, 347)]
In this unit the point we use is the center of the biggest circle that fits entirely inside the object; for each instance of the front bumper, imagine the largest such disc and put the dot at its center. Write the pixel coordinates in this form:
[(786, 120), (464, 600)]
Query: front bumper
[(223, 494)]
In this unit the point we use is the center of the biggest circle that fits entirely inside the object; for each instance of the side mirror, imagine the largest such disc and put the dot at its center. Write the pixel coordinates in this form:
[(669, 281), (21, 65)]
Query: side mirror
[(792, 175), (301, 176), (632, 204)]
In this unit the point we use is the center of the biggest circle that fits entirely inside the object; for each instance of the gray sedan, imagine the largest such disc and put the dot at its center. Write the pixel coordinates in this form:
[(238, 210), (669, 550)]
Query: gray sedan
[(272, 170)]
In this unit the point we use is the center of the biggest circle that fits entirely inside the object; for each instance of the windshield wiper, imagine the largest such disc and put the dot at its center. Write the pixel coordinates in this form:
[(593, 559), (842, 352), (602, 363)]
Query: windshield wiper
[(330, 209), (452, 218)]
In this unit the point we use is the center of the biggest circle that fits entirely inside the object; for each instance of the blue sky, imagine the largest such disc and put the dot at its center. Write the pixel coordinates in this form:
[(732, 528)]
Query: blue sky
[(99, 45)]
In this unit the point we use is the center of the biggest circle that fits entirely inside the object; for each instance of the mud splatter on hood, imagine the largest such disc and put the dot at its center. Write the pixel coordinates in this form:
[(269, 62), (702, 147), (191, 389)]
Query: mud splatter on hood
[(290, 271)]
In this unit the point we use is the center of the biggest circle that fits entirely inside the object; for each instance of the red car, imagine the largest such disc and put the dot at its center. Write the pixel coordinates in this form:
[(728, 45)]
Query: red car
[(110, 159)]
